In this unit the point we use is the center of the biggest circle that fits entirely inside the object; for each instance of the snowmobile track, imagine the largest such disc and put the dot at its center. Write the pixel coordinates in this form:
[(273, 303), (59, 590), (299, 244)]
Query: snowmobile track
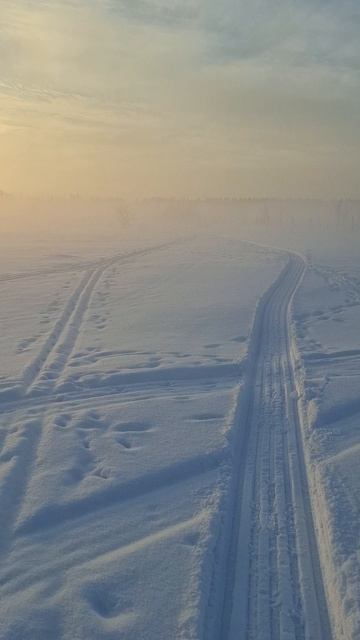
[(273, 588)]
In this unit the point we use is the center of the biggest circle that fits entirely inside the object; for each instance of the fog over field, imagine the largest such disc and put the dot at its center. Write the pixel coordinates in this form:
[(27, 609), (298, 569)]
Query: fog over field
[(179, 391), (179, 320)]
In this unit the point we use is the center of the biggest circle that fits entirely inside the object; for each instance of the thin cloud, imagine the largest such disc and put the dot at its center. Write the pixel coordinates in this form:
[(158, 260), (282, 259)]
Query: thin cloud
[(231, 86)]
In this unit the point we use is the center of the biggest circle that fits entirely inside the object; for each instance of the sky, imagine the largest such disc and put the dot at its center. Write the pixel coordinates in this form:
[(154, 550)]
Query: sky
[(180, 98)]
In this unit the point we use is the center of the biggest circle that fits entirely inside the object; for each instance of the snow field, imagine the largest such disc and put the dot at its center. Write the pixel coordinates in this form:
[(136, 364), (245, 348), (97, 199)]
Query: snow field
[(114, 473), (326, 327), (173, 465)]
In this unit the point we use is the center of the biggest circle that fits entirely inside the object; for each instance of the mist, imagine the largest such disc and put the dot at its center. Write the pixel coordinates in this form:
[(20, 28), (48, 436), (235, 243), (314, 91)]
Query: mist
[(179, 320)]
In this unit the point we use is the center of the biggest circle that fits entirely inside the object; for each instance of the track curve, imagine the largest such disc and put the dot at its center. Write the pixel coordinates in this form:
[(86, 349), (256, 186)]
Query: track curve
[(273, 587)]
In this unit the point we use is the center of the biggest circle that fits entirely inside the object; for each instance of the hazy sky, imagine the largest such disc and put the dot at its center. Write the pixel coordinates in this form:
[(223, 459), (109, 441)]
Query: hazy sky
[(180, 97)]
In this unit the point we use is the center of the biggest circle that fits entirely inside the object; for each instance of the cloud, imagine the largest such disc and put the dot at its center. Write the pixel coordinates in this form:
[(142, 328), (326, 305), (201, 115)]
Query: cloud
[(144, 95), (310, 32)]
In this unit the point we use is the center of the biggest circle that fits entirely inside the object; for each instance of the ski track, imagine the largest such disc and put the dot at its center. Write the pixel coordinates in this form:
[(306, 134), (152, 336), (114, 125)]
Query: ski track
[(80, 265), (272, 587), (39, 382), (42, 374)]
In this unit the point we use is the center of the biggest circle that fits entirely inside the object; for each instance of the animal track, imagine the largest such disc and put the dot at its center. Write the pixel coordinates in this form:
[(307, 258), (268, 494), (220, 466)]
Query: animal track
[(128, 427), (124, 443), (90, 420), (106, 601), (62, 420), (100, 472), (204, 417)]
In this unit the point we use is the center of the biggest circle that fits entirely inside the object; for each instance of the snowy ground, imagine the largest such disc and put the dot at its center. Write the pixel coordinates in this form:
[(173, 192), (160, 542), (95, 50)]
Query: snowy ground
[(150, 436), (119, 382), (327, 316)]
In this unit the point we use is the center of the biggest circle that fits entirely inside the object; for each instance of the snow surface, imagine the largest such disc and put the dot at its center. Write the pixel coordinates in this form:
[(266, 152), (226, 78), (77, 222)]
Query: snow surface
[(327, 316), (128, 350), (119, 385)]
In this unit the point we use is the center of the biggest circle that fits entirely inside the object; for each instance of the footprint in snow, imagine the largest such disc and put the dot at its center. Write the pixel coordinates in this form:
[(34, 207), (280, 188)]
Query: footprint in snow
[(62, 420), (100, 472), (204, 417), (128, 427), (124, 443), (106, 602)]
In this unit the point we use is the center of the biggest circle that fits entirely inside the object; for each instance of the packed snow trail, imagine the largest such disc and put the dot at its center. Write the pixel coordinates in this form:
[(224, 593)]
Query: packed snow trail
[(273, 587), (41, 375)]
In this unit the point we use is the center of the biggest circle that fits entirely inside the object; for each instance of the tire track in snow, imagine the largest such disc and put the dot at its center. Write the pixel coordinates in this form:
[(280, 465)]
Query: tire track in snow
[(43, 366), (71, 267), (42, 375), (168, 380), (273, 587)]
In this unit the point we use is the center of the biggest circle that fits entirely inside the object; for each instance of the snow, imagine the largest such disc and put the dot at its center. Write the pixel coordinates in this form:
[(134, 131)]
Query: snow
[(117, 425), (150, 424), (177, 316), (31, 309), (327, 320)]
